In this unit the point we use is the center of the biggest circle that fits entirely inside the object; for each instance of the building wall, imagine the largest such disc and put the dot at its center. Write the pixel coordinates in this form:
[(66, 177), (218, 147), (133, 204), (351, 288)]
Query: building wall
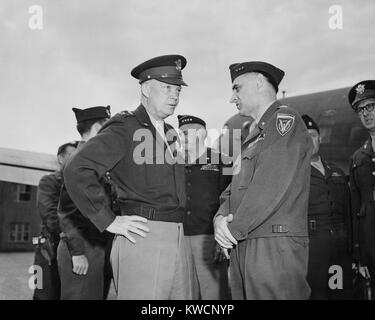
[(16, 215)]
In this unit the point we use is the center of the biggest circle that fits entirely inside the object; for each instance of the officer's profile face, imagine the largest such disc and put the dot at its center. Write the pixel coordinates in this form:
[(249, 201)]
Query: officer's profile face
[(315, 136), (163, 98), (244, 93), (366, 112), (63, 157), (192, 135)]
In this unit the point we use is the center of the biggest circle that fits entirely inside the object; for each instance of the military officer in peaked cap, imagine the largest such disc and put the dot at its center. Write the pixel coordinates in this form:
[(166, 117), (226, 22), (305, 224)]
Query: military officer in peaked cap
[(362, 179), (263, 219), (81, 251), (329, 223), (206, 179), (149, 256)]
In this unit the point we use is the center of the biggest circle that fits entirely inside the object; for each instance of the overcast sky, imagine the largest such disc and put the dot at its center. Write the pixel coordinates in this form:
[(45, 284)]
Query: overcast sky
[(83, 56)]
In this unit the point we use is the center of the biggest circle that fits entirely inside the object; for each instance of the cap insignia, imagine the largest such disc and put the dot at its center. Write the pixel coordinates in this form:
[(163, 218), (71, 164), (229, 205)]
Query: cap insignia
[(360, 89), (178, 65)]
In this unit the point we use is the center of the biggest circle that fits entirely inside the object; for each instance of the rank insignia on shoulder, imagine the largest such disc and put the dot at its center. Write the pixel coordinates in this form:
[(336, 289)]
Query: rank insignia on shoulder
[(127, 113), (284, 122), (336, 174)]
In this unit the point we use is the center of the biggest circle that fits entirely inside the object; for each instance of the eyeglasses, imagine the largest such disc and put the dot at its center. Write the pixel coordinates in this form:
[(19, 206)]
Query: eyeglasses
[(369, 108)]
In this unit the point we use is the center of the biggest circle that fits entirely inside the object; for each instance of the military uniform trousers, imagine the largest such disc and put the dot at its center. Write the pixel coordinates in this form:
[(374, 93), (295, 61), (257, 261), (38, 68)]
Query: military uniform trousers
[(328, 246), (211, 277), (82, 287), (51, 278), (270, 268), (155, 267)]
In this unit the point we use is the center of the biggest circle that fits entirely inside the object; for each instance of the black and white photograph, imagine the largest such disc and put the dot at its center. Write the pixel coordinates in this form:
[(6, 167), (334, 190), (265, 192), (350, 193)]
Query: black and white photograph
[(205, 152)]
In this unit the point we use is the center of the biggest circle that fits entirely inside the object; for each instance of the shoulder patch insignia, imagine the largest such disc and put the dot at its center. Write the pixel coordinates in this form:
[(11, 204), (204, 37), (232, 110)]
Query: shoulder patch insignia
[(284, 122)]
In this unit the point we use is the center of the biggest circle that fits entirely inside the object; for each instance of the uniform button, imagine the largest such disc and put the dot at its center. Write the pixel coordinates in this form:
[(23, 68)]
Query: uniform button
[(189, 198), (373, 173), (188, 213), (373, 159), (189, 184)]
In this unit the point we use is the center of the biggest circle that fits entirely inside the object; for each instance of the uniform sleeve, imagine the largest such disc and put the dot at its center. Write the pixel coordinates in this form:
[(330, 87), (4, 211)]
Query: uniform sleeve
[(276, 170), (355, 197), (66, 209), (88, 165), (47, 200), (224, 203)]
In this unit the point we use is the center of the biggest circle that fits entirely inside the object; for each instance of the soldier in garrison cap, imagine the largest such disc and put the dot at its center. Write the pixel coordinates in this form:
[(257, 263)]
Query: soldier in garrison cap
[(81, 251), (206, 179), (362, 180), (46, 247), (150, 259), (263, 219), (329, 224)]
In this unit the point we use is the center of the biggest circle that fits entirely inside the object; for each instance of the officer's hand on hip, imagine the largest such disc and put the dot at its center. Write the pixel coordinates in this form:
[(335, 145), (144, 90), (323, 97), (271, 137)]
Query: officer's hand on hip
[(123, 225), (222, 234), (80, 264)]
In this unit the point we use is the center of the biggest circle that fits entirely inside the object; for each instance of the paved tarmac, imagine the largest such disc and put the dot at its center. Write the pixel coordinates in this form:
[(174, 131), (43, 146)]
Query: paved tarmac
[(14, 276)]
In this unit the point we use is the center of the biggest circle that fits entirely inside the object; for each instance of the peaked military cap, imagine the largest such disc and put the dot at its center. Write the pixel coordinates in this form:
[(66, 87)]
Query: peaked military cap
[(361, 91), (310, 123), (92, 113), (163, 68), (272, 73), (186, 119)]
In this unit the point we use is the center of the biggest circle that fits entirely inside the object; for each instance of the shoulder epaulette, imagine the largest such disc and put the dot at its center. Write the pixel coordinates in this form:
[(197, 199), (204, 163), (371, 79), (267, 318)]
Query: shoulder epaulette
[(127, 113)]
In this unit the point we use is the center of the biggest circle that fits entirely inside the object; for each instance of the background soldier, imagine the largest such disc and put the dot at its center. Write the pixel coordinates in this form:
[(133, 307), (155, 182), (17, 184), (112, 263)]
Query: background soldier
[(46, 244), (205, 181), (362, 179), (264, 217), (81, 251), (329, 223), (150, 188)]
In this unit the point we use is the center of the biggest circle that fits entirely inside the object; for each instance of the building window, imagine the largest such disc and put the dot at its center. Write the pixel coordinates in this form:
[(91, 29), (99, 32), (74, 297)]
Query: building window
[(19, 232), (23, 193)]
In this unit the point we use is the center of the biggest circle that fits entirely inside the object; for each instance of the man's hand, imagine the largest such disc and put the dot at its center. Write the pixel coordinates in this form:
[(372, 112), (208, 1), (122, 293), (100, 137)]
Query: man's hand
[(80, 264), (222, 234), (220, 254), (123, 225)]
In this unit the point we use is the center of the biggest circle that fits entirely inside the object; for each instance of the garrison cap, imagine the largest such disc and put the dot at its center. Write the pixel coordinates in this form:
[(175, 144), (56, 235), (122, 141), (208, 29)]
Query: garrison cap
[(310, 123), (92, 113), (361, 91), (272, 73), (163, 68), (186, 119)]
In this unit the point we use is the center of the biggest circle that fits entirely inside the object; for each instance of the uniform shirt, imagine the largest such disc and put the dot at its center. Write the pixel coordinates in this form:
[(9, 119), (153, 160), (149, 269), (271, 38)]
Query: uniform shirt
[(47, 200), (362, 187), (329, 193), (117, 149), (269, 195), (205, 182)]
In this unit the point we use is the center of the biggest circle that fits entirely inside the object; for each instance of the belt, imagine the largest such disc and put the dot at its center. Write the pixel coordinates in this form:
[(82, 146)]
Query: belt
[(151, 213)]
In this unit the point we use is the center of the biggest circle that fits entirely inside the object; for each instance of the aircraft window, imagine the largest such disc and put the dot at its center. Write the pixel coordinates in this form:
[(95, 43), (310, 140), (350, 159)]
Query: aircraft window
[(325, 134)]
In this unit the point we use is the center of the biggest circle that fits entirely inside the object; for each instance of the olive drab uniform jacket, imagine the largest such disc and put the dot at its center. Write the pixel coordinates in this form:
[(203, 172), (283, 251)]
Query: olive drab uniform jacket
[(362, 187), (138, 174), (269, 195)]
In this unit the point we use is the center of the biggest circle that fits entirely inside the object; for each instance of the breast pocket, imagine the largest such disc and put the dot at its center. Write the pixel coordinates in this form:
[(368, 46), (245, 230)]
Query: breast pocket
[(248, 164)]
